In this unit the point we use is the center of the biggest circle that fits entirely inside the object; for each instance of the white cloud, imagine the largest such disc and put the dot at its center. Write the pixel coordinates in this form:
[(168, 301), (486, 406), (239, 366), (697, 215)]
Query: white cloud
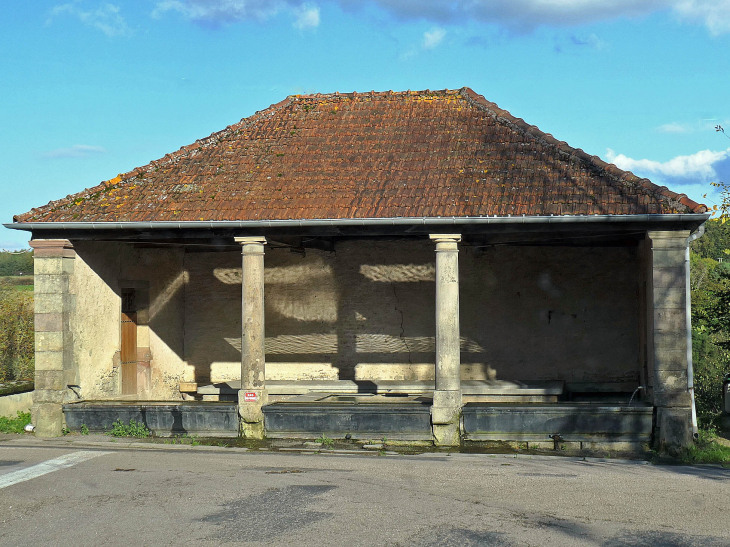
[(216, 12), (708, 124), (701, 166), (516, 15), (433, 37), (526, 15), (409, 53), (306, 16), (675, 127), (106, 17), (714, 14), (75, 151)]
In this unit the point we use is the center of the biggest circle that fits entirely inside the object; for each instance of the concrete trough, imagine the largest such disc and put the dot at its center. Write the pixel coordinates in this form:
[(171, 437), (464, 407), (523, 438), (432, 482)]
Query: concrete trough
[(569, 421), (163, 419), (363, 417)]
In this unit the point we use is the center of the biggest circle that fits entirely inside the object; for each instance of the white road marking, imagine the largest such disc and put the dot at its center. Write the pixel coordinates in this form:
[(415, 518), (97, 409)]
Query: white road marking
[(48, 466)]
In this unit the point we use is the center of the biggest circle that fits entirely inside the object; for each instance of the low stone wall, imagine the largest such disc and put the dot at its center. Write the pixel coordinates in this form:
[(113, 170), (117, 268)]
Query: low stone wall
[(15, 397)]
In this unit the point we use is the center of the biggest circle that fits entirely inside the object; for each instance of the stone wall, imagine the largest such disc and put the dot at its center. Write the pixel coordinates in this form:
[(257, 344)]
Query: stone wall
[(101, 269), (364, 311), (367, 311)]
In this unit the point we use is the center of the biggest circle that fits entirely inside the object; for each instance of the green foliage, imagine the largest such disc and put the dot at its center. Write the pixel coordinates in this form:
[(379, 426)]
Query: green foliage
[(706, 450), (14, 425), (326, 441), (16, 335), (84, 429), (710, 283), (134, 429), (16, 263)]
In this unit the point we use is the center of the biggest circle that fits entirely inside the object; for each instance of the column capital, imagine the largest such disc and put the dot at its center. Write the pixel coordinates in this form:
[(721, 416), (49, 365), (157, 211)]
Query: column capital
[(666, 238), (438, 238), (446, 242), (251, 245), (52, 248), (247, 240)]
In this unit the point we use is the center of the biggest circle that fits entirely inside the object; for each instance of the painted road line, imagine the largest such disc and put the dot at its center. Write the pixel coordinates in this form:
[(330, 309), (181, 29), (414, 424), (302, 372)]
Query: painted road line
[(48, 466)]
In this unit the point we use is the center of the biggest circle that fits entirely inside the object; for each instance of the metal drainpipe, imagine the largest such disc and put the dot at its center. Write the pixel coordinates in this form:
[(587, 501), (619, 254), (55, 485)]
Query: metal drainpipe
[(690, 370)]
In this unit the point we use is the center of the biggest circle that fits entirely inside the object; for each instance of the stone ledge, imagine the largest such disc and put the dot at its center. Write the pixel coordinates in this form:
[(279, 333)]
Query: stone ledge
[(19, 386), (468, 387)]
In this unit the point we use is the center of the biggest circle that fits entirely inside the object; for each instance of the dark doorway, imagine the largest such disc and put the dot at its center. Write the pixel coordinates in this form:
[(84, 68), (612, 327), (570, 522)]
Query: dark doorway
[(129, 342)]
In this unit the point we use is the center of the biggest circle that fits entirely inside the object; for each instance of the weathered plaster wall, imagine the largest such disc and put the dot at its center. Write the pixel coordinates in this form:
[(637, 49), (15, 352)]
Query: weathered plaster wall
[(367, 311), (568, 313), (99, 269)]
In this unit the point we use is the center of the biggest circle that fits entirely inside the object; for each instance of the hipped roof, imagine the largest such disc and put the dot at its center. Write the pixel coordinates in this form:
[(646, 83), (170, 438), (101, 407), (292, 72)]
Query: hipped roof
[(370, 155)]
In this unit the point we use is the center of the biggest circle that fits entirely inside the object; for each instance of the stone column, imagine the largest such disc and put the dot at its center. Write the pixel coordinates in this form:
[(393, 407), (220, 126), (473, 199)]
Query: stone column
[(446, 409), (55, 367), (252, 395), (667, 337)]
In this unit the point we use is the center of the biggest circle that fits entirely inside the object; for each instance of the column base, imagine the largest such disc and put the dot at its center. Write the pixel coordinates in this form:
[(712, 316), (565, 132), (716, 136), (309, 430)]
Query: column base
[(675, 428), (250, 402), (446, 434), (446, 417), (446, 406), (253, 431), (49, 420)]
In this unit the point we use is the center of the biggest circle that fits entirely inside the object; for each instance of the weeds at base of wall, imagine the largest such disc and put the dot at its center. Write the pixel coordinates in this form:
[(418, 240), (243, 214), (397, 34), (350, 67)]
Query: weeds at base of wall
[(14, 425), (183, 439), (133, 429), (326, 441), (706, 449)]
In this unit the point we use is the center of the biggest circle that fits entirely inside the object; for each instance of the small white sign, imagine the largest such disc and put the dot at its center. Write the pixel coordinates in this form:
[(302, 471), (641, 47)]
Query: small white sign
[(249, 397)]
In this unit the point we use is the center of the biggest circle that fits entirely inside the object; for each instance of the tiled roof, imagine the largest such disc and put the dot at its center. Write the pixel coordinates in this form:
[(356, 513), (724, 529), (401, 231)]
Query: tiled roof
[(370, 155)]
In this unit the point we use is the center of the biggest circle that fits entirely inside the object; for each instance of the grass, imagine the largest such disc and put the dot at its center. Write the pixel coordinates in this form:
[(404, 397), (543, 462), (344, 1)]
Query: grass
[(707, 450), (192, 440), (133, 429), (14, 425), (326, 441), (17, 282)]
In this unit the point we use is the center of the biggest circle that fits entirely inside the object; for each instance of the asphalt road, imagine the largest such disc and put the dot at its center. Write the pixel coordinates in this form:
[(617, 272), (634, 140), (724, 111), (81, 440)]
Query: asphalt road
[(109, 495)]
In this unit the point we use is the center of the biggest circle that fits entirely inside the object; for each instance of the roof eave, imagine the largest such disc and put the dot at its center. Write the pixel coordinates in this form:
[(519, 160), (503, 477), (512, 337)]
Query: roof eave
[(342, 222)]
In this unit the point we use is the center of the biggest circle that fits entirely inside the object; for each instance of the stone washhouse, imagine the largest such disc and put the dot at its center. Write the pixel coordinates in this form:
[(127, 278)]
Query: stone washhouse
[(417, 265)]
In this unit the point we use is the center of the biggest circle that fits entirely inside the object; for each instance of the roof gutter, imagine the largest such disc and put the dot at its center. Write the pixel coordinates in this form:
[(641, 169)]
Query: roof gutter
[(340, 222), (688, 311)]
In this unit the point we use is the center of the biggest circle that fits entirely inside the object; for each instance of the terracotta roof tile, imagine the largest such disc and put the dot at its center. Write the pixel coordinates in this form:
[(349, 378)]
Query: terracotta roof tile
[(377, 155)]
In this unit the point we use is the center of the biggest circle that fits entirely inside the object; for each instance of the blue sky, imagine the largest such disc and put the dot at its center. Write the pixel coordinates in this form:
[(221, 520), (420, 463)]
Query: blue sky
[(90, 89)]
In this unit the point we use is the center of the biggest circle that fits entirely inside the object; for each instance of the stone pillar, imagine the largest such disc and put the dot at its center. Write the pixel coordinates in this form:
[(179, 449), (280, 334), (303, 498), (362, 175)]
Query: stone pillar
[(252, 395), (55, 367), (446, 409), (666, 335)]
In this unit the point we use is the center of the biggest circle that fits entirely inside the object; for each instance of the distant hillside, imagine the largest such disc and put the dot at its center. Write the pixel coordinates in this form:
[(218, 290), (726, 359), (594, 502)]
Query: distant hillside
[(16, 263)]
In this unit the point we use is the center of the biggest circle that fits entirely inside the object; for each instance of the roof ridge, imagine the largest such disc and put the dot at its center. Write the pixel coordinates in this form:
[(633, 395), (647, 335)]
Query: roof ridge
[(612, 171), (373, 93)]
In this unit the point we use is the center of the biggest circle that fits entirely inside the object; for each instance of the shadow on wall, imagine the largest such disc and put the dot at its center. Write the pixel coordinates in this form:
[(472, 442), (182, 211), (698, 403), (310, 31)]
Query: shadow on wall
[(367, 311), (99, 303)]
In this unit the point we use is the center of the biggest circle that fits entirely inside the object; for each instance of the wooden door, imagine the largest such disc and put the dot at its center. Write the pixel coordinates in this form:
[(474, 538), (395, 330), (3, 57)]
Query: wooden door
[(129, 345)]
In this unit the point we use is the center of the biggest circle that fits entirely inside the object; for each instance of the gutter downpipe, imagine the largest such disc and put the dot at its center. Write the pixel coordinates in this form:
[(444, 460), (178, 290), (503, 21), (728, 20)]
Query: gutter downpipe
[(688, 308)]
